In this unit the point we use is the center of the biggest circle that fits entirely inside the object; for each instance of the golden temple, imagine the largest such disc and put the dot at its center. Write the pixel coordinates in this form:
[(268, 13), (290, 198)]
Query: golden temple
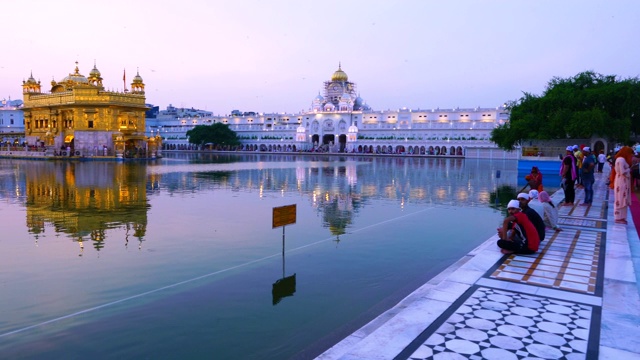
[(78, 117)]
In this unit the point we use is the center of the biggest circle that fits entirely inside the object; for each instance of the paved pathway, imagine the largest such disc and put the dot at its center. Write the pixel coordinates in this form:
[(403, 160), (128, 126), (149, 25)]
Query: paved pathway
[(577, 298)]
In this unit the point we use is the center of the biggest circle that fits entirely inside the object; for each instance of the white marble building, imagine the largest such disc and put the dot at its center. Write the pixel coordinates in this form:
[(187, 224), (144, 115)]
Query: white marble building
[(339, 120), (11, 119)]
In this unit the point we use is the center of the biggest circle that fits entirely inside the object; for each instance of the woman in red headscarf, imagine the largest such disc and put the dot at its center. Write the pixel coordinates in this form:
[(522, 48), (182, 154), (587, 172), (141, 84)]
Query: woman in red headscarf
[(622, 184), (534, 179)]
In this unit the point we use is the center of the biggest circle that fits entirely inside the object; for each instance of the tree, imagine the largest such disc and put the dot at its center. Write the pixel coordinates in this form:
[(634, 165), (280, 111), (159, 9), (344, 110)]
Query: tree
[(576, 107), (217, 133)]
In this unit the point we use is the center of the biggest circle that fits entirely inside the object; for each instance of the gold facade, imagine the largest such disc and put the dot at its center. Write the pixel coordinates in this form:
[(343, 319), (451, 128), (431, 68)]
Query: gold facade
[(80, 116)]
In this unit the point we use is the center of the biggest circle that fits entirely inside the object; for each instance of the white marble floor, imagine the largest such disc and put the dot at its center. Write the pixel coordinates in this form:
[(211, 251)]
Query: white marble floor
[(501, 325), (577, 298)]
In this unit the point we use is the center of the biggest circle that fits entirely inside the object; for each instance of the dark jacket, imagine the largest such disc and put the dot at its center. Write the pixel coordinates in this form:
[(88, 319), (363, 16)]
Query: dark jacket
[(537, 221)]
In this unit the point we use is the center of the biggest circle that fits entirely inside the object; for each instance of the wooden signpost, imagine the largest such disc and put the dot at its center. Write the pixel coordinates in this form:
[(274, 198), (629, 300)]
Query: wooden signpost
[(282, 216)]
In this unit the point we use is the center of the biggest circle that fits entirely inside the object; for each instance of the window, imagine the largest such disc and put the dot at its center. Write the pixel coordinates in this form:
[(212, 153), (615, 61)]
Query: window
[(90, 124)]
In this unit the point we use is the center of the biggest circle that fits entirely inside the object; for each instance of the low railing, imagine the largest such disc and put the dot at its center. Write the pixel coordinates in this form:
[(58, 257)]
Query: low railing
[(546, 151), (22, 153)]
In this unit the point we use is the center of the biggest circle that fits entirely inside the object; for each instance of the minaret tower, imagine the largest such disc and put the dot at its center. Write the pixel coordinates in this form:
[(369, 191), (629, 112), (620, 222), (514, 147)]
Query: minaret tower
[(137, 86)]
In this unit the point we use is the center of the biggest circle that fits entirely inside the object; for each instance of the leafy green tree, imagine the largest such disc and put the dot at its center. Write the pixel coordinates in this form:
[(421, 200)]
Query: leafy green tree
[(217, 133), (578, 107)]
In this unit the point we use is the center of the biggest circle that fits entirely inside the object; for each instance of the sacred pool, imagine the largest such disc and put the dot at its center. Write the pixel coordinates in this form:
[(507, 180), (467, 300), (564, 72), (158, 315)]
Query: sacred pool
[(179, 257)]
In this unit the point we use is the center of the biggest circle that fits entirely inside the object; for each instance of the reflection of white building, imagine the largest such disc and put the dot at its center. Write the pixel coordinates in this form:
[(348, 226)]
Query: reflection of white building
[(339, 120), (11, 118)]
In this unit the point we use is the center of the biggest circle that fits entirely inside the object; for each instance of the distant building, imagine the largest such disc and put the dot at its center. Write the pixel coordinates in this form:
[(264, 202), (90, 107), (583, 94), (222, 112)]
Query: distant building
[(173, 123), (174, 112), (11, 121), (339, 120), (153, 111), (78, 113)]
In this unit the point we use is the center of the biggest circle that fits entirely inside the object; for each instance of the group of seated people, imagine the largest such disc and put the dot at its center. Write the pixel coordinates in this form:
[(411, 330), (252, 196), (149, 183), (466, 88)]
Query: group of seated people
[(529, 216)]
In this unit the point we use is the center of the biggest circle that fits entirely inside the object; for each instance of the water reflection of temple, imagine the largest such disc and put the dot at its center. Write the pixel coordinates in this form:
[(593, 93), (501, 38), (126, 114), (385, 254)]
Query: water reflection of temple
[(338, 189), (85, 199)]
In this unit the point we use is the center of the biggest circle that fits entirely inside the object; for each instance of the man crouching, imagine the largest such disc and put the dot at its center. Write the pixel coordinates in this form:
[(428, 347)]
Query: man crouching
[(517, 235)]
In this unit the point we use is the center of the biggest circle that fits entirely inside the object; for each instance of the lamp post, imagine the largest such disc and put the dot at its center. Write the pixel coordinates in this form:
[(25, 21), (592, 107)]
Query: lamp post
[(119, 146), (158, 144), (48, 143)]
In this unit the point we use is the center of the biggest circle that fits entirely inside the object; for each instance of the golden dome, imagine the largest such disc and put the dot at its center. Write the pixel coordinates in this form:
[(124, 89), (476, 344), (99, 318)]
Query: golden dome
[(339, 75), (95, 73), (31, 80), (76, 77), (137, 79)]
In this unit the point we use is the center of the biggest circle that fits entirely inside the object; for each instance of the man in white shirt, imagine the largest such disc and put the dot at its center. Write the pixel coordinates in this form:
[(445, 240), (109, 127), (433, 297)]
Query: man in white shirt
[(535, 204), (602, 158)]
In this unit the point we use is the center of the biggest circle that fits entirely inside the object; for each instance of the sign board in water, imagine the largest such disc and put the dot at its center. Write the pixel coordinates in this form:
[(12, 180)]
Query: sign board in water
[(283, 287), (284, 215)]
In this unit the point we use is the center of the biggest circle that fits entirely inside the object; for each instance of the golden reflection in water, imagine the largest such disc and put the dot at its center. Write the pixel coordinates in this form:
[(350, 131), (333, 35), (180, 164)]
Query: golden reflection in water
[(418, 194), (462, 195), (390, 191), (338, 211), (484, 196), (369, 190), (83, 200)]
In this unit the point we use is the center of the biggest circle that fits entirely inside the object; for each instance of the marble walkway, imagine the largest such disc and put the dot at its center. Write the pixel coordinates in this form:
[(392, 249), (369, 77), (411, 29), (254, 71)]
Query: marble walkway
[(577, 298)]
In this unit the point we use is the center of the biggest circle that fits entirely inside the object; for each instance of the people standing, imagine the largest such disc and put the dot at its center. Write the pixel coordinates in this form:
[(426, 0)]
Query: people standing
[(517, 234), (612, 174), (635, 171), (577, 154), (622, 184), (550, 216), (568, 175), (602, 158), (588, 178)]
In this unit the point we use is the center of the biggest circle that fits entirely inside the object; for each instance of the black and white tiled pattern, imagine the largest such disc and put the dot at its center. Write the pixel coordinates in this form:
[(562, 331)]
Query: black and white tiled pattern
[(502, 325)]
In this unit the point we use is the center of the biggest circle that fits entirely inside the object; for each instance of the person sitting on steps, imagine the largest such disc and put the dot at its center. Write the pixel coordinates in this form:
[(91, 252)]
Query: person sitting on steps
[(534, 217), (517, 234)]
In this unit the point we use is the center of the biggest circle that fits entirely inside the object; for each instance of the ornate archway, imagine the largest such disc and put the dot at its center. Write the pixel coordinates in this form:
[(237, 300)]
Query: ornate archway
[(342, 140), (328, 138)]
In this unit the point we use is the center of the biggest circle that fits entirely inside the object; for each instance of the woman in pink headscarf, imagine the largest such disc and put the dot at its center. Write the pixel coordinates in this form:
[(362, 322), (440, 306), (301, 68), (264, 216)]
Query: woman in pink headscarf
[(550, 216)]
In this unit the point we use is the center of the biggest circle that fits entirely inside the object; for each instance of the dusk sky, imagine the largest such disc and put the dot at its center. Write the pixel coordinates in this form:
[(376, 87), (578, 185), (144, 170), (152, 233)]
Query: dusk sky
[(273, 56)]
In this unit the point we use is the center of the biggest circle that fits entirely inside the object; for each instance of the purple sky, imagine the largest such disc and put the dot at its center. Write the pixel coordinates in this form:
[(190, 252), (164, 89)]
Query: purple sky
[(273, 56)]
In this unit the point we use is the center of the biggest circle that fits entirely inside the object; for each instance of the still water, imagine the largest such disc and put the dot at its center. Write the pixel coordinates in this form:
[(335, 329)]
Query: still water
[(178, 257)]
